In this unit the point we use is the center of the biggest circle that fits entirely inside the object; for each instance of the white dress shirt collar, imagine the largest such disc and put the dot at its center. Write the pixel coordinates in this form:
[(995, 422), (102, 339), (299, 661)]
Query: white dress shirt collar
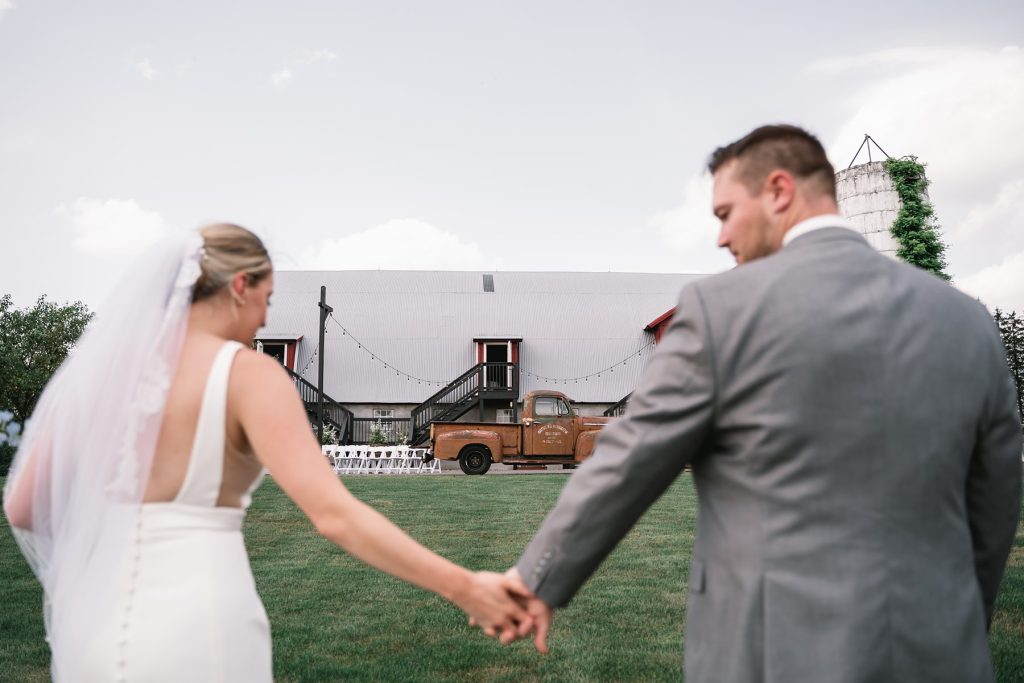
[(828, 220)]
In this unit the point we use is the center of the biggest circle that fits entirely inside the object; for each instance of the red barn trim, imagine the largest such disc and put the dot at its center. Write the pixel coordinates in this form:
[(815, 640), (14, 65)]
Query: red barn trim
[(660, 324)]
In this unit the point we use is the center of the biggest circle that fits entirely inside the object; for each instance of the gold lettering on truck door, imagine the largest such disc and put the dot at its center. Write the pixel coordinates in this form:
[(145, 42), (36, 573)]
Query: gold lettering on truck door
[(552, 434)]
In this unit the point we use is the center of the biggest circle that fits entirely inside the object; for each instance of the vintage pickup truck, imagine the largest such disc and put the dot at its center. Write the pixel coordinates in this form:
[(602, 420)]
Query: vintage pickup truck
[(549, 433)]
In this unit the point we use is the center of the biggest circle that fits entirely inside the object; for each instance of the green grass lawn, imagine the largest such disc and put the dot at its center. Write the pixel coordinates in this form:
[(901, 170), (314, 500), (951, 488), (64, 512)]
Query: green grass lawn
[(335, 619)]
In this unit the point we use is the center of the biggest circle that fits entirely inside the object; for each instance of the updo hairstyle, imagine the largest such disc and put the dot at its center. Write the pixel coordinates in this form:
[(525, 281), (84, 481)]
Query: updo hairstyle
[(229, 250)]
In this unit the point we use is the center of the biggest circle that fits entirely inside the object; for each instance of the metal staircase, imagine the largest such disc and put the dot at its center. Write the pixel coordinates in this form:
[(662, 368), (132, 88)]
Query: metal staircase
[(618, 409), (337, 416), (458, 397)]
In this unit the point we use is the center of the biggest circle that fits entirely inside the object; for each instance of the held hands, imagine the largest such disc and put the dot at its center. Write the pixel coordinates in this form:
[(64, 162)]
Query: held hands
[(495, 603), (534, 614)]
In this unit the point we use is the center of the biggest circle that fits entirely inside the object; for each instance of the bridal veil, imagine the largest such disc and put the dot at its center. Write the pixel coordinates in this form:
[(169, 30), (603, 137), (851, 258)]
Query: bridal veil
[(85, 457)]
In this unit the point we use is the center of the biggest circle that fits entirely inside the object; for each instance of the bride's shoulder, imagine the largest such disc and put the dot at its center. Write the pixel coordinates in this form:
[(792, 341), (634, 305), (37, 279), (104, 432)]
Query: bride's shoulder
[(259, 386), (259, 369), (258, 383), (248, 360)]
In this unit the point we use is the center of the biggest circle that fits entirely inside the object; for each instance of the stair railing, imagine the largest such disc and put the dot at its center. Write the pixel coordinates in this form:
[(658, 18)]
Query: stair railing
[(458, 391), (619, 408), (336, 415)]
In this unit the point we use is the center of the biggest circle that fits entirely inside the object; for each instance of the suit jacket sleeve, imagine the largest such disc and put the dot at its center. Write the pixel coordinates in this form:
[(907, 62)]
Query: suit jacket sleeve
[(994, 480), (668, 419)]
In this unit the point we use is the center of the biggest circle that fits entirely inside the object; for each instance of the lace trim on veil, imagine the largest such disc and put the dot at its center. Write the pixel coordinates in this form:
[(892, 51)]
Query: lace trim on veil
[(151, 393)]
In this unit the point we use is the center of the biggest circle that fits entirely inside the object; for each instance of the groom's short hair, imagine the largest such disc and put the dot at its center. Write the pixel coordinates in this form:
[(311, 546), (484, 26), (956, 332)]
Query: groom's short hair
[(779, 146)]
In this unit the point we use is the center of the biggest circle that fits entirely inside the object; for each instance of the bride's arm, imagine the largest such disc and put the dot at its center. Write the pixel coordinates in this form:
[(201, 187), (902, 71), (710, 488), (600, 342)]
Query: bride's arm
[(18, 496), (276, 426), (20, 486)]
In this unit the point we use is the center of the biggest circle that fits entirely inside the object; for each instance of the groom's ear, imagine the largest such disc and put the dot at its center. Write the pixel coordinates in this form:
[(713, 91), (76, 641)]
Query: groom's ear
[(779, 190)]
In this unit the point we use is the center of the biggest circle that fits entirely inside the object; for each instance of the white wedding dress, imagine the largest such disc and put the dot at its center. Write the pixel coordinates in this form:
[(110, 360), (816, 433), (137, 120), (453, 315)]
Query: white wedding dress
[(185, 606)]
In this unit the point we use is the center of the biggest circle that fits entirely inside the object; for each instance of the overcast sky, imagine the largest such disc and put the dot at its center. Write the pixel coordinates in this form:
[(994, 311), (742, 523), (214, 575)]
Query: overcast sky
[(481, 135)]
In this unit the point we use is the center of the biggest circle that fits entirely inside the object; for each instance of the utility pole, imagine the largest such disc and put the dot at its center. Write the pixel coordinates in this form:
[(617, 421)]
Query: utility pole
[(325, 310)]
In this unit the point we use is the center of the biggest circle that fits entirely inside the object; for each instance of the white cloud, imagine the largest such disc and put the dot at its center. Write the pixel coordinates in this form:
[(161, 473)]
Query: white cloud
[(112, 227), (690, 230), (1000, 285), (1007, 207), (284, 76), (833, 66), (959, 110), (144, 68), (281, 78), (6, 6), (312, 57), (402, 244)]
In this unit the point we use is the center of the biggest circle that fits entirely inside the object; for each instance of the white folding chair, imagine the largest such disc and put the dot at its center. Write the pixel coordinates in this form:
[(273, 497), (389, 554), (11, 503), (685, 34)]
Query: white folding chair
[(347, 460), (360, 460), (427, 468), (374, 460), (331, 453), (397, 455)]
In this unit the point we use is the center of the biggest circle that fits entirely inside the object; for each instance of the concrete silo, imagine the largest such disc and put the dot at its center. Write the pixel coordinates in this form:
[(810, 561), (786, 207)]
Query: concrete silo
[(868, 198)]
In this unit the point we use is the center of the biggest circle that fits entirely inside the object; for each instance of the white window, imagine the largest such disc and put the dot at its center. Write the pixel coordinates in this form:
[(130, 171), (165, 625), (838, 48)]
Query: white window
[(384, 421), (505, 415)]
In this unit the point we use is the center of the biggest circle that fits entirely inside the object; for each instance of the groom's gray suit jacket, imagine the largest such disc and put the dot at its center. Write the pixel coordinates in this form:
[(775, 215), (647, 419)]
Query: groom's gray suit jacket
[(855, 443)]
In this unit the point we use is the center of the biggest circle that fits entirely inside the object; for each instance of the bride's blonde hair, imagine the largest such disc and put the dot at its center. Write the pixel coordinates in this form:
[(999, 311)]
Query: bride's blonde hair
[(228, 250)]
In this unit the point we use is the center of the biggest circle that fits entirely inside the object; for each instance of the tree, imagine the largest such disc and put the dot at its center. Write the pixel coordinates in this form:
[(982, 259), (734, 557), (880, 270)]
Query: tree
[(33, 343), (10, 435), (1011, 328)]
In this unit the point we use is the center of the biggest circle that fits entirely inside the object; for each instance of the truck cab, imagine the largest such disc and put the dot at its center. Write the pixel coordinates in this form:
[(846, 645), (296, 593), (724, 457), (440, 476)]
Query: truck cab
[(549, 425)]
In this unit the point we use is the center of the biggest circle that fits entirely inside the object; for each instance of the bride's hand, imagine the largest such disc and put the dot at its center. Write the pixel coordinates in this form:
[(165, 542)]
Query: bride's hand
[(490, 601)]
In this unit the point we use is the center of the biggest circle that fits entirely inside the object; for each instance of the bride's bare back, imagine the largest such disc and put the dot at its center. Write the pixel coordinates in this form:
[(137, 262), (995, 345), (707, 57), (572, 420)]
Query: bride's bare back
[(178, 430)]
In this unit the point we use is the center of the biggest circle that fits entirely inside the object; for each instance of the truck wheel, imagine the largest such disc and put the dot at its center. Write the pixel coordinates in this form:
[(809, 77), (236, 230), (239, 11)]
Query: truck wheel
[(475, 460)]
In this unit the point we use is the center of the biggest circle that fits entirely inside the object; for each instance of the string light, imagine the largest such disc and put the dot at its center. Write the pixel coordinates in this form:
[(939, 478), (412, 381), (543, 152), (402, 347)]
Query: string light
[(388, 366), (310, 361), (586, 378), (420, 380)]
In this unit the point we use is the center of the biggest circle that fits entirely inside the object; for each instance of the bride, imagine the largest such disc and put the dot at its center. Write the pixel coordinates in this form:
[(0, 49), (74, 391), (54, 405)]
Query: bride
[(128, 492)]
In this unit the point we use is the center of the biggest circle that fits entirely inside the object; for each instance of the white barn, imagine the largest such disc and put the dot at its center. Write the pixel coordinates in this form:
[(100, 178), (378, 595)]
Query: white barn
[(475, 342)]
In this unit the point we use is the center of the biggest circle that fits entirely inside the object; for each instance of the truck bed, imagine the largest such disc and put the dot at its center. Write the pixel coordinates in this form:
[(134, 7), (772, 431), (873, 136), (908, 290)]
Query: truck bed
[(511, 434)]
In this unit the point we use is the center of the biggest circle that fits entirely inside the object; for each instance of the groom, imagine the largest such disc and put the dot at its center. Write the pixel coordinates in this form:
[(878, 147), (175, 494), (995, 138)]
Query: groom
[(854, 439)]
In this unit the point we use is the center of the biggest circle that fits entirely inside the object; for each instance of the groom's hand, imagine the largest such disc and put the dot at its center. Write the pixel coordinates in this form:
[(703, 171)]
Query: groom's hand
[(496, 604), (539, 611)]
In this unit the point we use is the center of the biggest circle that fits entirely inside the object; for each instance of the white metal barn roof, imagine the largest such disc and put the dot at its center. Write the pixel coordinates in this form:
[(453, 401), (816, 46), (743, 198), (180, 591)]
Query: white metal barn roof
[(423, 324)]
